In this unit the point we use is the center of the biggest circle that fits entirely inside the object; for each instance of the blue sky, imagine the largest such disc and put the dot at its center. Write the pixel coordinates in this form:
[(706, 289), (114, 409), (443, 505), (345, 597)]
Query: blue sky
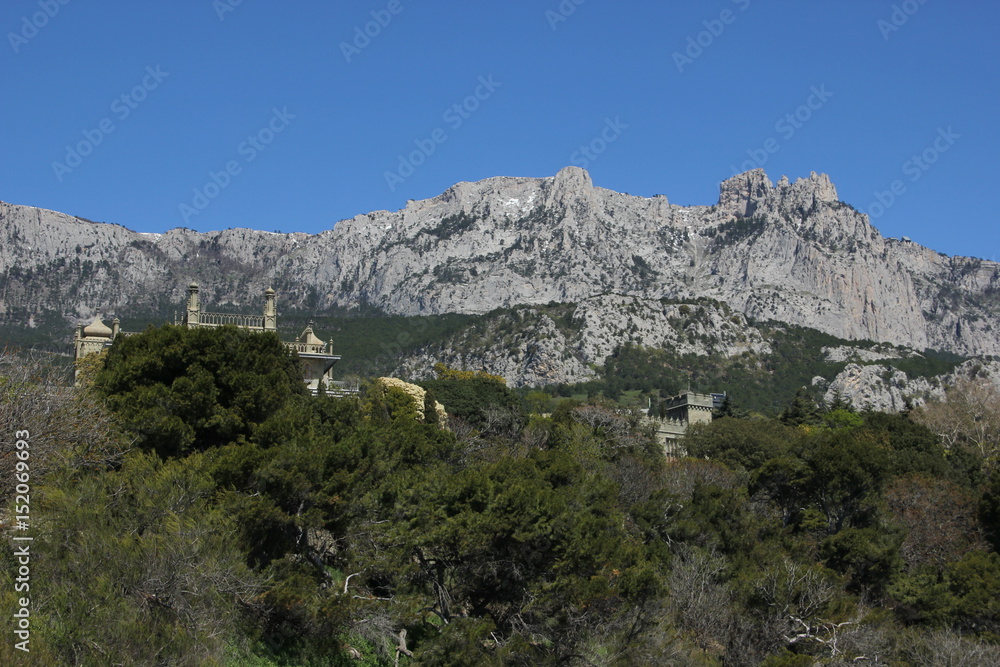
[(123, 111)]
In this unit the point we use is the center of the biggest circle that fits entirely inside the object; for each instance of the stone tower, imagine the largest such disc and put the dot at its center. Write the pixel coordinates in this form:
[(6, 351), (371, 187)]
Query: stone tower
[(193, 307), (270, 311)]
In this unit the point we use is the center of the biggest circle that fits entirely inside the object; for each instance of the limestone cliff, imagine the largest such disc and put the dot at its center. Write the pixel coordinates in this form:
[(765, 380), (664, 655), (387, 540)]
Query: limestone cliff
[(789, 251), (885, 389), (530, 348)]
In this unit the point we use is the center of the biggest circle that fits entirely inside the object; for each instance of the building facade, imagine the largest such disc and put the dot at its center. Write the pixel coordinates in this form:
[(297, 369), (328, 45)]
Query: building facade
[(316, 355), (679, 412), (94, 337)]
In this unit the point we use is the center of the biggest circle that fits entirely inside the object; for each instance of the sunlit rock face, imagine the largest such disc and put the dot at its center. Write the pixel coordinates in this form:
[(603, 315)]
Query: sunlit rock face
[(789, 251)]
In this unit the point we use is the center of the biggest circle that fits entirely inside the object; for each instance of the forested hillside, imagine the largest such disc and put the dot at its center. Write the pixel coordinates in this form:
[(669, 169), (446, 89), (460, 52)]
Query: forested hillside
[(622, 348), (192, 505)]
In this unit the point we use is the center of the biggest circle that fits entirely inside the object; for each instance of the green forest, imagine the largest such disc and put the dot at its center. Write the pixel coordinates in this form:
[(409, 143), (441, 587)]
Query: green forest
[(192, 504)]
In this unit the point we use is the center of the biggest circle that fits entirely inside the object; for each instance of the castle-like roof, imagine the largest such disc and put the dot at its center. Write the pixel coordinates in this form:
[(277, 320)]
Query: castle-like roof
[(309, 338), (97, 329)]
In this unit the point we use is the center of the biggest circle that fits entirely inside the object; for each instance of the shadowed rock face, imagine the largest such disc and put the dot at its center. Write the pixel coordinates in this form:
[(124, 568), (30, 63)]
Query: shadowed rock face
[(787, 251)]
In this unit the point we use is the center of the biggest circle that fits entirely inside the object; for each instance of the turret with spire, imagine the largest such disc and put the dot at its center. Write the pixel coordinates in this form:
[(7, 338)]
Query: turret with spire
[(193, 307), (270, 310)]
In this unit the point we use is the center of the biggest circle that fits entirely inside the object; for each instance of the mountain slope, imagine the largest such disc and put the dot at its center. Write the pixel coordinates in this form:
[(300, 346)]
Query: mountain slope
[(615, 344), (788, 251)]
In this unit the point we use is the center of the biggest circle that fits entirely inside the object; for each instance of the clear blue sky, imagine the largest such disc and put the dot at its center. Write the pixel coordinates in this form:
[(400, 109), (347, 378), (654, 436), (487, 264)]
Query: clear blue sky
[(929, 87)]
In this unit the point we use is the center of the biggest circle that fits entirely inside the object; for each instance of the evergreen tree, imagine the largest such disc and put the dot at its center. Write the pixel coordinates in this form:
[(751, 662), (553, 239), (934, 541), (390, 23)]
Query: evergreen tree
[(181, 389), (803, 410)]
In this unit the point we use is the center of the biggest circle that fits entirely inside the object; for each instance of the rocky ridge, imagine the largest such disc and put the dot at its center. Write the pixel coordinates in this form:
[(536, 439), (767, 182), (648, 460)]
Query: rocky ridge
[(790, 252), (530, 348)]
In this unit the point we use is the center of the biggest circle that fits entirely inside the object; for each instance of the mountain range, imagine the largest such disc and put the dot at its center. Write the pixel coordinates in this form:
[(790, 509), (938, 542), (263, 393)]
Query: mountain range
[(790, 252)]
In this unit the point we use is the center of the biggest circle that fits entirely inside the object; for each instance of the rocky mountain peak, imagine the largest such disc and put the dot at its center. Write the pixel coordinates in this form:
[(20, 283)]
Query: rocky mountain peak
[(745, 193), (739, 195), (568, 187), (572, 178), (819, 186)]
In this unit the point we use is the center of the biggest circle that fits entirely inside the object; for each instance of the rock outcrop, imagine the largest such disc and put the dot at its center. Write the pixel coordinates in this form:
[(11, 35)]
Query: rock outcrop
[(417, 396), (529, 348), (886, 389)]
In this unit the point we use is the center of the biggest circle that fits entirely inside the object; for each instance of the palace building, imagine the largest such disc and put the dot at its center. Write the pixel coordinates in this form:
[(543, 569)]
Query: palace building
[(316, 355)]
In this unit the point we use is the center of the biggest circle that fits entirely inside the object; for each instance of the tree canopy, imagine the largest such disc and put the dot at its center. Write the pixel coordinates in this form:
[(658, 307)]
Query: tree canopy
[(202, 508), (181, 389)]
